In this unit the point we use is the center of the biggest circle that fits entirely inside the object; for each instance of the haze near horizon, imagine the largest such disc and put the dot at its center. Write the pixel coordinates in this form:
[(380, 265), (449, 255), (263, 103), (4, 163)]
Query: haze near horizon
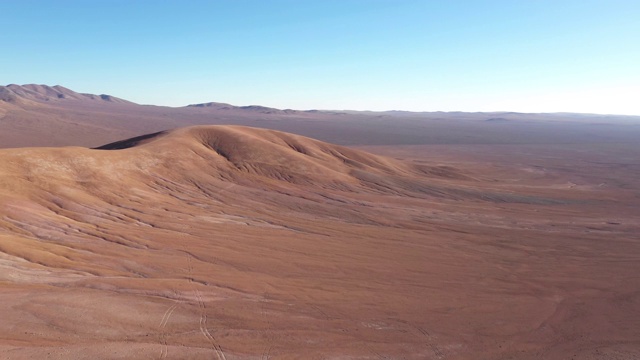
[(540, 56)]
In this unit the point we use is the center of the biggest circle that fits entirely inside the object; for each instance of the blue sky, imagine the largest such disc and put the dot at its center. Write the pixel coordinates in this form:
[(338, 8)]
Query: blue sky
[(517, 55)]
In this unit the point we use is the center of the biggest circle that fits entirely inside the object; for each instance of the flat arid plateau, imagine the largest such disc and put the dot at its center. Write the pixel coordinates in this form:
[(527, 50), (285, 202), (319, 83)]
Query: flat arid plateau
[(430, 238)]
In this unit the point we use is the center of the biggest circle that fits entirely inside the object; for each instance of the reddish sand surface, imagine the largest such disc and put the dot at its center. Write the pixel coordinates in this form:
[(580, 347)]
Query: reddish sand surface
[(231, 242)]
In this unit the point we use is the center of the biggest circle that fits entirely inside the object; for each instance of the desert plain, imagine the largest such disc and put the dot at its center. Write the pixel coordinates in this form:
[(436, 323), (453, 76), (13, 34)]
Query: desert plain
[(221, 232)]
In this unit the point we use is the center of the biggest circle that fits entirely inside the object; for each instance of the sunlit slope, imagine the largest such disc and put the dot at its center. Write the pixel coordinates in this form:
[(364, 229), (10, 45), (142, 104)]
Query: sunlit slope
[(196, 216), (233, 242)]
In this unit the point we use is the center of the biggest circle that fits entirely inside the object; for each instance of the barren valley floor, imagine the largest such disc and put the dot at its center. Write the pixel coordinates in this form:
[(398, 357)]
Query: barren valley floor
[(235, 243), (467, 235)]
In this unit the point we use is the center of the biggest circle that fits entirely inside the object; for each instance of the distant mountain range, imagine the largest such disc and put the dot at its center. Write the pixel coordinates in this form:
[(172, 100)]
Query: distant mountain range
[(41, 115), (42, 93)]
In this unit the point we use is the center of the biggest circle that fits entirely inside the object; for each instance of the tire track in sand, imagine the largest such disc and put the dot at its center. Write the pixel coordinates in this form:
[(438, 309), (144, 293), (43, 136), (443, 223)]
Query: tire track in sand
[(203, 316), (429, 342), (266, 352), (164, 350), (428, 339)]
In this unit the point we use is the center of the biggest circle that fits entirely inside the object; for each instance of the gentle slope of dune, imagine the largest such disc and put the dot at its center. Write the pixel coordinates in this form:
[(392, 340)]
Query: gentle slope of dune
[(234, 242)]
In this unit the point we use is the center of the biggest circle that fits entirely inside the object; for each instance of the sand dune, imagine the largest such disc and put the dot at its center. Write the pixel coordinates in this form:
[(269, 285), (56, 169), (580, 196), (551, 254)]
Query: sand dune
[(465, 237), (231, 242)]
